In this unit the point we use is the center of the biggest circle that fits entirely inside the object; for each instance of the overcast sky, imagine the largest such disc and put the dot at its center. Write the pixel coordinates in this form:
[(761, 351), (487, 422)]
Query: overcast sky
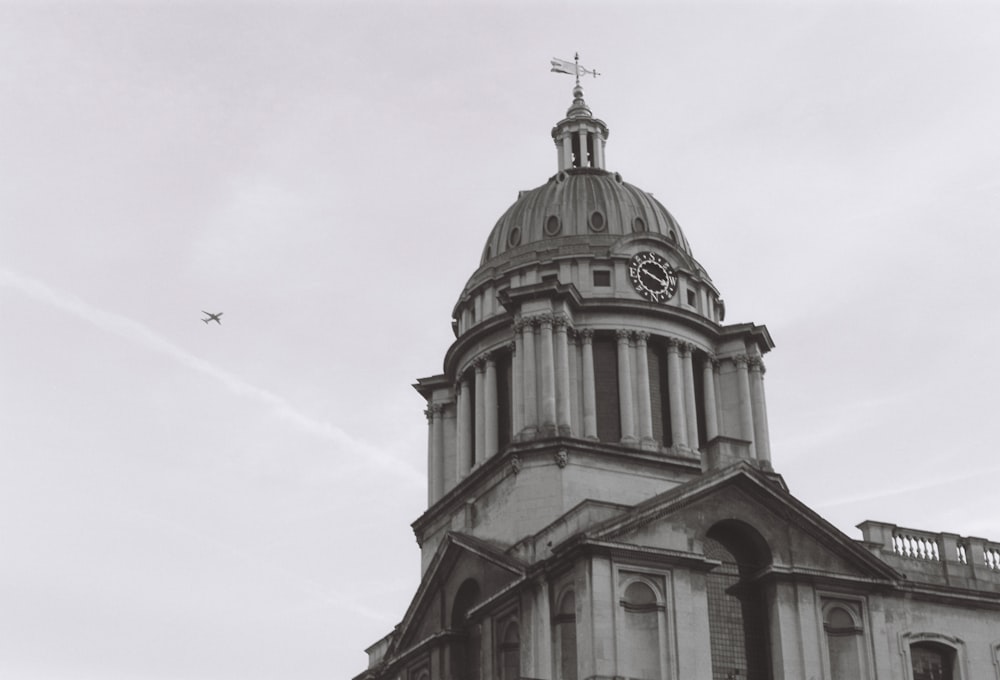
[(194, 502)]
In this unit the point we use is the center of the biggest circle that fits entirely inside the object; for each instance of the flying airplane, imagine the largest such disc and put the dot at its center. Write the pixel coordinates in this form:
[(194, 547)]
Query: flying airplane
[(212, 317)]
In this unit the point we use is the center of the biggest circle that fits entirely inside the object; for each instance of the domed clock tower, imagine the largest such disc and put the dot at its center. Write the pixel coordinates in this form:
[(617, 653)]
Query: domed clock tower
[(590, 362), (601, 500)]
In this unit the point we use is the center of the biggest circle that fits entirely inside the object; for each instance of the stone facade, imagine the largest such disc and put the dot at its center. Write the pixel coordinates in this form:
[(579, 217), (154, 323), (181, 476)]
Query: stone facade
[(601, 498)]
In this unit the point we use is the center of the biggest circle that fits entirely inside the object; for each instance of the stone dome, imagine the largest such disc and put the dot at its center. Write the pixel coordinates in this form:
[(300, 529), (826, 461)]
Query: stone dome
[(581, 202)]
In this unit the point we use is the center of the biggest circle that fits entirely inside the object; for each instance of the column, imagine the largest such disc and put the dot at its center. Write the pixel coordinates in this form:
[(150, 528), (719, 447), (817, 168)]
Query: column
[(746, 410), (437, 438), (548, 369), (599, 150), (529, 385), (435, 452), (464, 428), (760, 436), (589, 388), (480, 365), (431, 458), (690, 401), (675, 387), (582, 135), (567, 152), (642, 387), (563, 419), (711, 414), (516, 383), (491, 406), (626, 409)]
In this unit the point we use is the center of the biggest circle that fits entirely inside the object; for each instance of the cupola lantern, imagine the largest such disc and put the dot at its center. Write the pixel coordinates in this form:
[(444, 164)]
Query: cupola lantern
[(579, 137)]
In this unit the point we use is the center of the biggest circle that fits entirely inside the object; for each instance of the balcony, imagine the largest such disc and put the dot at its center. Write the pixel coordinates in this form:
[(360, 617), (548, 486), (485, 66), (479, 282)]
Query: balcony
[(940, 559)]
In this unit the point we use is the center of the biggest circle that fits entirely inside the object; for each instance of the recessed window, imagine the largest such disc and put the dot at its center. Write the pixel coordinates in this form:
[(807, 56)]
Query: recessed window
[(552, 225), (602, 278), (691, 298), (638, 224), (514, 237), (673, 236), (597, 222)]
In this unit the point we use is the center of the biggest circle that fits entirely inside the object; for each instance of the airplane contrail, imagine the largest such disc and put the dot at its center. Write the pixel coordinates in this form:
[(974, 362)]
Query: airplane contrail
[(136, 332)]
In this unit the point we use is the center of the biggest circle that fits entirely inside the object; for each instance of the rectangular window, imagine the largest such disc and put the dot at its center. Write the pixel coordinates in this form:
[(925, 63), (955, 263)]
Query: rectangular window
[(609, 427), (602, 278)]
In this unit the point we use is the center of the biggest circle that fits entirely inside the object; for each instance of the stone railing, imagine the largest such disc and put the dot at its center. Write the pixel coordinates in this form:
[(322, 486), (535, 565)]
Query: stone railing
[(961, 561)]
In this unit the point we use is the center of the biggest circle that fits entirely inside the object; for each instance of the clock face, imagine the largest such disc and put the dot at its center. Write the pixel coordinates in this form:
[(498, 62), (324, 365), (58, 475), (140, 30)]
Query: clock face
[(652, 277)]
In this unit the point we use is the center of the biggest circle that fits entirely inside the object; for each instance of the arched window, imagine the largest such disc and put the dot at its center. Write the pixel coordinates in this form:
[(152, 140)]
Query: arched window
[(510, 652), (564, 637), (737, 610), (932, 661), (465, 649), (642, 644), (845, 640)]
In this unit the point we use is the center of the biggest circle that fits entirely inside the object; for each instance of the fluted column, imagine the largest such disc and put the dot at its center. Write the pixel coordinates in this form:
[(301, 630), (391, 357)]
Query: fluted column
[(645, 407), (746, 410), (480, 365), (711, 414), (516, 382), (464, 428), (626, 408), (675, 387), (563, 418), (589, 387), (435, 452), (529, 385), (431, 458), (690, 401), (760, 434), (548, 368), (492, 441)]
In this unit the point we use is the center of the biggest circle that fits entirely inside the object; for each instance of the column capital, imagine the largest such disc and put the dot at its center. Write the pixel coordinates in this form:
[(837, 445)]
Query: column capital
[(561, 322), (543, 320), (623, 334), (641, 337), (519, 325), (685, 348), (585, 334), (511, 347), (480, 362), (741, 360), (756, 364), (673, 344)]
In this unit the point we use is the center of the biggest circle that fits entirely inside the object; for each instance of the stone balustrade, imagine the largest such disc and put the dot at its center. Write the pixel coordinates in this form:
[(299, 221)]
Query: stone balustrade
[(944, 558)]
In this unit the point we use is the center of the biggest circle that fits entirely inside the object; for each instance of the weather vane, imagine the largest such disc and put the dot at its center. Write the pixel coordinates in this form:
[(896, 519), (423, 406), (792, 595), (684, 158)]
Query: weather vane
[(572, 67)]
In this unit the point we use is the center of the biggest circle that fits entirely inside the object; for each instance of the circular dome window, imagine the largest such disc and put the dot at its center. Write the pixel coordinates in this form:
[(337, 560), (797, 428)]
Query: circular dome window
[(552, 225), (514, 237), (596, 221), (638, 224)]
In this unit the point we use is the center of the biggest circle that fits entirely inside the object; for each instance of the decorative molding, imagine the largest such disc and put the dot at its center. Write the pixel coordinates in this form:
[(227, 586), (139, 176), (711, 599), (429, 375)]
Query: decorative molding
[(515, 464), (562, 458)]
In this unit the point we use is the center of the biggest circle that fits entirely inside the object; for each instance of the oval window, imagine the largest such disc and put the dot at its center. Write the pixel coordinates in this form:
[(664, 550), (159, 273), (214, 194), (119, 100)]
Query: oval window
[(638, 224), (514, 237), (597, 222), (552, 225)]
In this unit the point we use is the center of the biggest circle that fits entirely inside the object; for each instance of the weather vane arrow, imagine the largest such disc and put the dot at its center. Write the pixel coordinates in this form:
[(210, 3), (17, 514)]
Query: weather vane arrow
[(572, 68)]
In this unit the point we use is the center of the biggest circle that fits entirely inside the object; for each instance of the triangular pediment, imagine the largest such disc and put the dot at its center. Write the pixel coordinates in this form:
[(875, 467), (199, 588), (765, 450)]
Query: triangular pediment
[(798, 539), (459, 559)]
